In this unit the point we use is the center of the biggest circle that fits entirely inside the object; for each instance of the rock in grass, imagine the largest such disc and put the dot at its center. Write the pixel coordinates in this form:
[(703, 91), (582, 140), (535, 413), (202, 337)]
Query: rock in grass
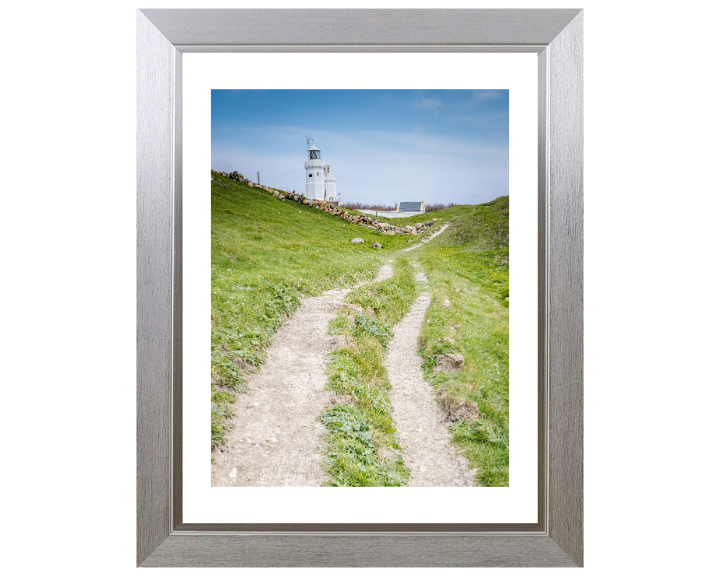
[(455, 409), (342, 400), (377, 245), (446, 304), (449, 363), (357, 241)]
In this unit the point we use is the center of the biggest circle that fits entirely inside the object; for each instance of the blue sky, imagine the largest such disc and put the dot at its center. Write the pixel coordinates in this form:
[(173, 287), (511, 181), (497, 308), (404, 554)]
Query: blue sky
[(384, 146)]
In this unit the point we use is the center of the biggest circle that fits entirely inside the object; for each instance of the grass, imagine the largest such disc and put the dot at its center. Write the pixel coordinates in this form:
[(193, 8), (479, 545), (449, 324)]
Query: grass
[(265, 255), (360, 446), (468, 265)]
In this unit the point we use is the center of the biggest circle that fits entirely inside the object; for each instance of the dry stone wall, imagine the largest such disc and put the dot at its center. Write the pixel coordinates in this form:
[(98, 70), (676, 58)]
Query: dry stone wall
[(331, 208)]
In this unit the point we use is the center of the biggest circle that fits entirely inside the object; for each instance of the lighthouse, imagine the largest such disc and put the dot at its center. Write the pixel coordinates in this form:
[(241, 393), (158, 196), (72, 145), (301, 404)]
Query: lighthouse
[(319, 180)]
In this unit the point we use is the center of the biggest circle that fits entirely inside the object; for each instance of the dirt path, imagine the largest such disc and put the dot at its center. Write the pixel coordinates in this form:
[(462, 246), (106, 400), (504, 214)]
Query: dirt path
[(276, 433), (427, 238), (422, 432)]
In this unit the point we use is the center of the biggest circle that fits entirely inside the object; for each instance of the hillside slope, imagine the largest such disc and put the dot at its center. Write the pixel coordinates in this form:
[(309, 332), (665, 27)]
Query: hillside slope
[(266, 254), (469, 271)]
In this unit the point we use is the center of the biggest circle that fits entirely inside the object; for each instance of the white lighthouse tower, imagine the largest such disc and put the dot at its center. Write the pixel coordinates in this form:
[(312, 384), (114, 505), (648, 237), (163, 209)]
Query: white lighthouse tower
[(314, 173)]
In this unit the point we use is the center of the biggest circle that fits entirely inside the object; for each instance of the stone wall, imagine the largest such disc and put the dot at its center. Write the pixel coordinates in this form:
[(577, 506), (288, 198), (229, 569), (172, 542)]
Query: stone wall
[(233, 176), (332, 208)]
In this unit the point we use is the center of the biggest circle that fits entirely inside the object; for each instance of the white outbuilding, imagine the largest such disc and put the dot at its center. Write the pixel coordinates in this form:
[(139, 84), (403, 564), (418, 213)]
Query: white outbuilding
[(319, 179), (330, 193)]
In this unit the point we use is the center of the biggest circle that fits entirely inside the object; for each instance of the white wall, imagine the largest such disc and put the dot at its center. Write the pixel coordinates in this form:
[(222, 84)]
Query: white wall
[(315, 179), (68, 302), (392, 214), (330, 188)]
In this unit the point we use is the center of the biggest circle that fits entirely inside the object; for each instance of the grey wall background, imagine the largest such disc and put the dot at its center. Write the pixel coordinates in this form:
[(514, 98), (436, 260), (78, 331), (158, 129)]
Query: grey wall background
[(68, 295)]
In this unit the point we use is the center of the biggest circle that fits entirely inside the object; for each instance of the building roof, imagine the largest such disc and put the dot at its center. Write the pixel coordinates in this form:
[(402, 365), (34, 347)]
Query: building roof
[(313, 147), (410, 207)]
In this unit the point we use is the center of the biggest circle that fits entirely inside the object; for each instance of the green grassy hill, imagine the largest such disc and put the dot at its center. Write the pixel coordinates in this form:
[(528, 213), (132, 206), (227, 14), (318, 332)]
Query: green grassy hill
[(469, 271), (267, 253)]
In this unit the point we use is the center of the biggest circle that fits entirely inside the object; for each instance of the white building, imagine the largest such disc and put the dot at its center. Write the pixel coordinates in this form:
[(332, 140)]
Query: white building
[(402, 210), (330, 193), (319, 180)]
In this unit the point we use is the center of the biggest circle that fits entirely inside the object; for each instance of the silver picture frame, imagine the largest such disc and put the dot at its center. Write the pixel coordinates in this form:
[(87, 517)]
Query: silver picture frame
[(163, 539)]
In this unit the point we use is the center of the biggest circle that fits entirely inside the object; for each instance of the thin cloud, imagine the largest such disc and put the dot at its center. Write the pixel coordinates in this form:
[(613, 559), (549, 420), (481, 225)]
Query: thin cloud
[(430, 103), (488, 94)]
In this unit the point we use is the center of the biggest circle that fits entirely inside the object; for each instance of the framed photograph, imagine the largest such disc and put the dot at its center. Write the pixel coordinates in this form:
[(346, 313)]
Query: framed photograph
[(350, 253)]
